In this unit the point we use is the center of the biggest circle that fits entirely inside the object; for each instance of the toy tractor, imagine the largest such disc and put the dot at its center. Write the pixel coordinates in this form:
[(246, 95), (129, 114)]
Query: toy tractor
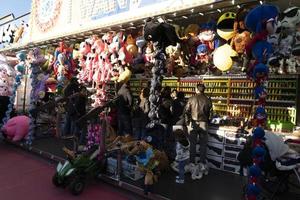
[(76, 170)]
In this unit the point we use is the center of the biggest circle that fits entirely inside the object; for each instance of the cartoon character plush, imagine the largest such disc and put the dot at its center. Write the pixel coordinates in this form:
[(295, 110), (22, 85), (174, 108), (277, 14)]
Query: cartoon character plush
[(241, 35), (222, 57), (260, 73), (291, 17), (260, 94), (260, 116), (16, 128), (131, 46), (225, 25), (174, 60), (207, 35)]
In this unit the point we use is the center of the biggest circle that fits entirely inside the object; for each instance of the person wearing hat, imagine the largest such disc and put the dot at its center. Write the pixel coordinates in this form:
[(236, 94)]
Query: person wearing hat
[(196, 114)]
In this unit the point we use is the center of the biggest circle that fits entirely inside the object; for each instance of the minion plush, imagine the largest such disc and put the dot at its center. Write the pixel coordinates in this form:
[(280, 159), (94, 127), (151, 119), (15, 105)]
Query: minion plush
[(225, 25)]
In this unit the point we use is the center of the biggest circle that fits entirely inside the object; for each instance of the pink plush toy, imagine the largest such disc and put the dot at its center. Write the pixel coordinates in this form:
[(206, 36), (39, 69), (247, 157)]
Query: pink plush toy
[(16, 128)]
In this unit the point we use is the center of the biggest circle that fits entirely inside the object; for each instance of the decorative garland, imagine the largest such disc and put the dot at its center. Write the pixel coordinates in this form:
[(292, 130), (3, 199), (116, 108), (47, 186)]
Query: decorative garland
[(45, 26)]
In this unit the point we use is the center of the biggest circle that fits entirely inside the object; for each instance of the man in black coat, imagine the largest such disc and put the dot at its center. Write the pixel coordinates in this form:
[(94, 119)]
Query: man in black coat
[(124, 106)]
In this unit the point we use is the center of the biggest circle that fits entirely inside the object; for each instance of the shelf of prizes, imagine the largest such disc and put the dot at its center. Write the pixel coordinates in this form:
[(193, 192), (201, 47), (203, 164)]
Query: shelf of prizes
[(233, 98)]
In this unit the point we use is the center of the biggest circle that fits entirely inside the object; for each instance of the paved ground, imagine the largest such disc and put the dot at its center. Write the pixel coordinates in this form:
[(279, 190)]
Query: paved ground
[(27, 177)]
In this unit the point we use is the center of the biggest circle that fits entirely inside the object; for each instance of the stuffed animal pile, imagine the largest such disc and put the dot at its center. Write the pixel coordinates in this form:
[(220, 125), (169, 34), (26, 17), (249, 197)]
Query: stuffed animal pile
[(285, 42), (261, 21)]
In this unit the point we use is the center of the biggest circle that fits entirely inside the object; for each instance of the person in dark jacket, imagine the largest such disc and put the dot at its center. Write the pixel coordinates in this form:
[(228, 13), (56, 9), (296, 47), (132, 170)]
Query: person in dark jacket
[(124, 106), (178, 108), (143, 110), (197, 111), (71, 114)]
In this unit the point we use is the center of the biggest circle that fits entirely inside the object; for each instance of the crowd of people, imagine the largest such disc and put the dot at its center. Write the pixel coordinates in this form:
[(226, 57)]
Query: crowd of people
[(183, 123)]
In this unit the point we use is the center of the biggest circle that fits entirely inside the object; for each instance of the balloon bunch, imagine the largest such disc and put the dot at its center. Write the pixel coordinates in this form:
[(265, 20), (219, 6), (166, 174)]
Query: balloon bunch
[(20, 69), (262, 22)]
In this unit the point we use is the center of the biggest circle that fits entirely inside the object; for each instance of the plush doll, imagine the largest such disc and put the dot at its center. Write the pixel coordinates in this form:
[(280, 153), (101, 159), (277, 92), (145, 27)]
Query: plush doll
[(225, 25), (260, 73), (241, 35), (16, 128), (40, 89), (174, 59), (202, 53), (207, 35), (291, 65), (260, 94), (150, 161), (131, 46), (260, 116), (222, 57), (291, 17), (190, 43)]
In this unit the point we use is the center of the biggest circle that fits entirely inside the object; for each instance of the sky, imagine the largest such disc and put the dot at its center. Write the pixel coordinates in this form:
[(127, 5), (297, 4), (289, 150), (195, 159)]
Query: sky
[(17, 7)]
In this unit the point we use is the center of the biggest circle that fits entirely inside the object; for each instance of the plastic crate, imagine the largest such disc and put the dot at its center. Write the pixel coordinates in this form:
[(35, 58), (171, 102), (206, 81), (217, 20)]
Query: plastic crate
[(129, 170)]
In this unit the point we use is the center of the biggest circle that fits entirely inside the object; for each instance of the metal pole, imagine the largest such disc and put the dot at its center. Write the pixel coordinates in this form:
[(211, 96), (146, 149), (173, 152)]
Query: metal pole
[(25, 88)]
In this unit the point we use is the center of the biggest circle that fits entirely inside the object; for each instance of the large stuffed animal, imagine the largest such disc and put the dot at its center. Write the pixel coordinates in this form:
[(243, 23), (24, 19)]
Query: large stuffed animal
[(16, 128)]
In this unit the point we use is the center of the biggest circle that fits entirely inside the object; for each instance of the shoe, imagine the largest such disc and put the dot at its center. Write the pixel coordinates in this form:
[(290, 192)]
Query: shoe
[(180, 181)]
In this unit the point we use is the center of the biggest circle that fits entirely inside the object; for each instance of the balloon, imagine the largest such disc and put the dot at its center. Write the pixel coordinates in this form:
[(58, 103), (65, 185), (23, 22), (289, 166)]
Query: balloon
[(225, 25), (222, 57), (16, 128)]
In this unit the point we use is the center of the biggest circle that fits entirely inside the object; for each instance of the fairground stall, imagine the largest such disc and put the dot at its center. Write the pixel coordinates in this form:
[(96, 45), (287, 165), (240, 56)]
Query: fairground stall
[(246, 53)]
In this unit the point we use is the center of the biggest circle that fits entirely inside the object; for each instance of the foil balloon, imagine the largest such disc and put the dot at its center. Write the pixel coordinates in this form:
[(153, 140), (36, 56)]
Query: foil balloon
[(225, 25), (222, 57)]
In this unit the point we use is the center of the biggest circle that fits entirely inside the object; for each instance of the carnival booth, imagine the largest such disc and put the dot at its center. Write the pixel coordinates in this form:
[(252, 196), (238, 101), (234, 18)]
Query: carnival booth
[(69, 82)]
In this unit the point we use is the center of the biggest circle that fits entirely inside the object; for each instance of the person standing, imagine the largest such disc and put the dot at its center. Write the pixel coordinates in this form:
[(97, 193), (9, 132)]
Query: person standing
[(178, 108), (143, 110), (124, 106), (70, 118), (182, 153), (197, 111)]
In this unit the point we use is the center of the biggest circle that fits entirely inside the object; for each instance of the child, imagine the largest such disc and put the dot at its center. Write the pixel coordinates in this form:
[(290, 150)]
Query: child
[(182, 153)]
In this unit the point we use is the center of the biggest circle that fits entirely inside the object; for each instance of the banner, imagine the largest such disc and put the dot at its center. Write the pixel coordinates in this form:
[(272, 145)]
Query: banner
[(55, 18)]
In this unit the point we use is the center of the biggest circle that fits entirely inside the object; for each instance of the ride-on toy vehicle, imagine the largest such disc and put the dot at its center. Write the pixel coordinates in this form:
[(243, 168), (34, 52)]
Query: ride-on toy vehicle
[(76, 170)]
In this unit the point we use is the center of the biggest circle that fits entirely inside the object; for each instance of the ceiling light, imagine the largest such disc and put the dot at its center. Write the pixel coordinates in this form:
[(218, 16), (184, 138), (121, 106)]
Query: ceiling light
[(174, 14), (232, 2), (170, 20), (212, 5), (201, 14), (131, 23), (260, 2), (192, 10), (219, 10), (185, 17), (238, 6), (122, 29)]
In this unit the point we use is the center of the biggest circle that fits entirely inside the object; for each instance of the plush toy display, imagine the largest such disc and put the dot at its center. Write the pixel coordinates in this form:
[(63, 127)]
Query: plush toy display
[(16, 128), (262, 21)]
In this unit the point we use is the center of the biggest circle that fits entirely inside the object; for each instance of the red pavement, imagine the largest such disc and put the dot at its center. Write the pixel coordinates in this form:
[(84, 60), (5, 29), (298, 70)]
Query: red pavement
[(26, 177)]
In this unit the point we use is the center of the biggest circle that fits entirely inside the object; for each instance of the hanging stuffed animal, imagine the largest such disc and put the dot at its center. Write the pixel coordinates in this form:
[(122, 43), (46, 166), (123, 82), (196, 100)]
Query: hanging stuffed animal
[(207, 35), (222, 57), (131, 46), (225, 25), (190, 43), (260, 94), (241, 35)]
